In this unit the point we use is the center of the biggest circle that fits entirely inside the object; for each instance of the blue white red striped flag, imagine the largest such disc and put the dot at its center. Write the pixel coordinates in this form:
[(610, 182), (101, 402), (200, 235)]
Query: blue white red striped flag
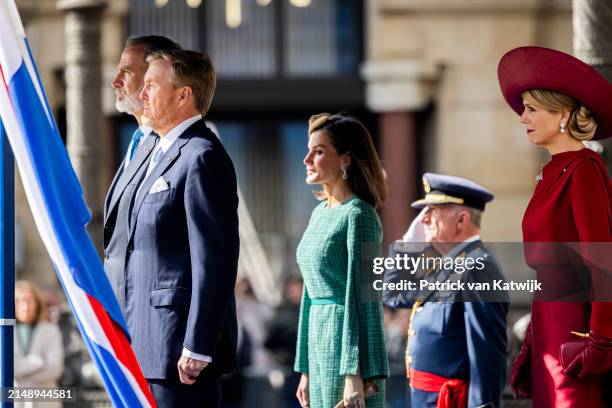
[(56, 200)]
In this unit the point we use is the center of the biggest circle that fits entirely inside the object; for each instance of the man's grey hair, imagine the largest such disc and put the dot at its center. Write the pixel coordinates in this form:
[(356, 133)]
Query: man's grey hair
[(152, 43), (475, 216)]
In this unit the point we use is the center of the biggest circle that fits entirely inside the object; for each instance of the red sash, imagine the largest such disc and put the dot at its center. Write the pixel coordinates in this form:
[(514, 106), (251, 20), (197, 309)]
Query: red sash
[(453, 393)]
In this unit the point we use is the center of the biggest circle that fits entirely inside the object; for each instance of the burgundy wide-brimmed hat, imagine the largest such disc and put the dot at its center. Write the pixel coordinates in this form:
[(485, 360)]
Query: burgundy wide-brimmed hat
[(526, 68)]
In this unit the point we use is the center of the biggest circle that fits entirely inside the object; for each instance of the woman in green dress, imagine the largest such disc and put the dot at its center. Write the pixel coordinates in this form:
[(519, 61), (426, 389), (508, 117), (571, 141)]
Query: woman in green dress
[(341, 348)]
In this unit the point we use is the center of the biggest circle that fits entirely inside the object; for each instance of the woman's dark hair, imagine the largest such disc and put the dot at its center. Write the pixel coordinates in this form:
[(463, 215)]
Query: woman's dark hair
[(348, 135)]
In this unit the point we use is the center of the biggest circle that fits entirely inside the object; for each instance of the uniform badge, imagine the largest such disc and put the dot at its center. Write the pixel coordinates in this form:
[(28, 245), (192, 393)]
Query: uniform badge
[(426, 185)]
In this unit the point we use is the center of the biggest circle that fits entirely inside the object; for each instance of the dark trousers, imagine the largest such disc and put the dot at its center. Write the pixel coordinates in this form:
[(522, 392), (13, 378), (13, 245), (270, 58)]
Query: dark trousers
[(174, 394)]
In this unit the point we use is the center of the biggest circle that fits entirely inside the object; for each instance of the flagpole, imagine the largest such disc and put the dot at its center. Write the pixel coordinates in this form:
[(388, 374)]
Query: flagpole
[(7, 263)]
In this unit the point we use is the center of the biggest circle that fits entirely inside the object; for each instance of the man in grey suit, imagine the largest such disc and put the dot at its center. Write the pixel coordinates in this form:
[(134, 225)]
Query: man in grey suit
[(182, 252), (128, 83)]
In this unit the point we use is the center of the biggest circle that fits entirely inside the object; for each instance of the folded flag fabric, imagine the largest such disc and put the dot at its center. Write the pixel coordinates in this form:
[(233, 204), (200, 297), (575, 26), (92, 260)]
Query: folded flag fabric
[(56, 200)]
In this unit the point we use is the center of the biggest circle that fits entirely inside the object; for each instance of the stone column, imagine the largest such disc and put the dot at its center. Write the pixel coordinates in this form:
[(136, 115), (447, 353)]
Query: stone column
[(593, 44), (83, 101), (398, 152)]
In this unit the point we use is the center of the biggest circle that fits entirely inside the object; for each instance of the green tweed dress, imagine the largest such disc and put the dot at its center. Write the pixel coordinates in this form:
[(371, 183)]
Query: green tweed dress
[(341, 319)]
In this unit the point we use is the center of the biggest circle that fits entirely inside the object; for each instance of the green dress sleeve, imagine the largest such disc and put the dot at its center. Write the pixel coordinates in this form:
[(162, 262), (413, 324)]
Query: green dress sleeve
[(363, 342), (301, 354)]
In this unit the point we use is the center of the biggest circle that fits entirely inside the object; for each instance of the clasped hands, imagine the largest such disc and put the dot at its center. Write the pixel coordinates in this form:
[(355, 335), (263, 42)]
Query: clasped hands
[(356, 391), (189, 369), (595, 358), (354, 396)]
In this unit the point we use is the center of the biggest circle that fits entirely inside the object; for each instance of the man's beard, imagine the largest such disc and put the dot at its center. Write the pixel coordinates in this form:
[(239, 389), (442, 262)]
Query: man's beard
[(158, 123), (129, 104)]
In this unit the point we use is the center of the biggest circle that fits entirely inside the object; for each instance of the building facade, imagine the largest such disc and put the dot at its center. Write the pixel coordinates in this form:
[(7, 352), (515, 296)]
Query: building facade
[(422, 75)]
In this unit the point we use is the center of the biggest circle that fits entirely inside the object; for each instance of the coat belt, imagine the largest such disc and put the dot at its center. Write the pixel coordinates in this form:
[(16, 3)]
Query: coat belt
[(327, 301)]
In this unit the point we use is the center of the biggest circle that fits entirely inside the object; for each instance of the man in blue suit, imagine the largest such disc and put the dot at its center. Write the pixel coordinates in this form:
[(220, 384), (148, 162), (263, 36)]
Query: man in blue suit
[(182, 253), (456, 354), (128, 83)]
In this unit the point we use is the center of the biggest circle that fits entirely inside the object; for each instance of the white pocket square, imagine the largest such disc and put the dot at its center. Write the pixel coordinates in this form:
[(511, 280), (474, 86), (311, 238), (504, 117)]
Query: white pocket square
[(159, 185)]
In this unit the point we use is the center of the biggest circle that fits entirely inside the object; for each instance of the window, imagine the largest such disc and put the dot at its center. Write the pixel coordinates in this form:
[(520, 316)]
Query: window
[(279, 40)]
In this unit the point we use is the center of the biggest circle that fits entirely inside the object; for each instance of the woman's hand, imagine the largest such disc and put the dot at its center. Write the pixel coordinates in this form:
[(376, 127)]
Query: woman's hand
[(302, 392), (353, 392), (520, 375), (370, 388)]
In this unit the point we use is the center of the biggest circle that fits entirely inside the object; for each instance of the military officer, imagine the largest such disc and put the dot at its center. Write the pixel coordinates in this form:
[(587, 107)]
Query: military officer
[(456, 354)]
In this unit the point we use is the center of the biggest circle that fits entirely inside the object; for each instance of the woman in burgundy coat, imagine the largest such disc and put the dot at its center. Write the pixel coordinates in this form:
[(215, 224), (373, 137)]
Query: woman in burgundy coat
[(563, 102)]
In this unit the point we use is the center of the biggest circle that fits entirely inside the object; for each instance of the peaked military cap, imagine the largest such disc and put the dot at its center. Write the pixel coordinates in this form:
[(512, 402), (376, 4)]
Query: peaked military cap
[(443, 189)]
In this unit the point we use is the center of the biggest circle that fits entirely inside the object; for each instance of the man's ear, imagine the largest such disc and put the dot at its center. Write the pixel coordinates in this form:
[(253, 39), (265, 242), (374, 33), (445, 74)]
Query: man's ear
[(185, 94), (464, 219)]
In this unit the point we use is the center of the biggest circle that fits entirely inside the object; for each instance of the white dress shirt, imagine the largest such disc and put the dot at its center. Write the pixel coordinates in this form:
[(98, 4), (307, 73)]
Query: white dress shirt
[(168, 140), (165, 143)]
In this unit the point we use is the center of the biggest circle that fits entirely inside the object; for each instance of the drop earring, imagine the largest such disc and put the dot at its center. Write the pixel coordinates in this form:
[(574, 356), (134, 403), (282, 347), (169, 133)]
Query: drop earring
[(344, 173), (562, 126)]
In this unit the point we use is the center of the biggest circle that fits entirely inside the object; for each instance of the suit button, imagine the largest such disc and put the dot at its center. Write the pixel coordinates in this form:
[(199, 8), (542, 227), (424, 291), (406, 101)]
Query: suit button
[(130, 249)]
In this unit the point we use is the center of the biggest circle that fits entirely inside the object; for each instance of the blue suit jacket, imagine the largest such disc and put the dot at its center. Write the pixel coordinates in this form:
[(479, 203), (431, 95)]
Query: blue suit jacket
[(182, 258), (456, 339)]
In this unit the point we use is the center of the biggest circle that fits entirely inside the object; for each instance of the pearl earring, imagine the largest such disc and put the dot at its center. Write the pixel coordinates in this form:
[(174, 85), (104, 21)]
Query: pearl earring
[(562, 127)]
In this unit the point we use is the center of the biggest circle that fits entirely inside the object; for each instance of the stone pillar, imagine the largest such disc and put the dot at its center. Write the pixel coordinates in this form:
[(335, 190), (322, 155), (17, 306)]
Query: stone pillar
[(83, 101), (593, 33), (396, 90), (593, 44), (398, 152)]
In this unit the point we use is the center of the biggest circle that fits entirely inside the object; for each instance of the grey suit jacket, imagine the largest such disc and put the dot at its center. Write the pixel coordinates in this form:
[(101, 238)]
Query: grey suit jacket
[(116, 209)]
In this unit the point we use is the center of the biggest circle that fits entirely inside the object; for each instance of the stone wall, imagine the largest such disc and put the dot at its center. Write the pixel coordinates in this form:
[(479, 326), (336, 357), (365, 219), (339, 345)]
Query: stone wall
[(449, 51)]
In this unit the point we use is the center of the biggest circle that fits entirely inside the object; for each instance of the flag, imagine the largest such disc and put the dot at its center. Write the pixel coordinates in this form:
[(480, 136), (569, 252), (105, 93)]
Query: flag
[(56, 200)]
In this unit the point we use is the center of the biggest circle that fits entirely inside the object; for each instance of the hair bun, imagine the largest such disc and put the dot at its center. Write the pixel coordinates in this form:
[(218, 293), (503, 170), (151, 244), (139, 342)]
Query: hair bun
[(582, 124), (583, 113)]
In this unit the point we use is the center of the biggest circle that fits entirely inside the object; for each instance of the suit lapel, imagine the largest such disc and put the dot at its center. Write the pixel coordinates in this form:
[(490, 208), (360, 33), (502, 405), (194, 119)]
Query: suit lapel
[(441, 276), (111, 189), (142, 153), (166, 161)]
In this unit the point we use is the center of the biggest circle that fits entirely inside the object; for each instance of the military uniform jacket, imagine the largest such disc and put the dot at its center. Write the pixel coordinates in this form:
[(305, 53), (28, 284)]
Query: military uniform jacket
[(456, 339)]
